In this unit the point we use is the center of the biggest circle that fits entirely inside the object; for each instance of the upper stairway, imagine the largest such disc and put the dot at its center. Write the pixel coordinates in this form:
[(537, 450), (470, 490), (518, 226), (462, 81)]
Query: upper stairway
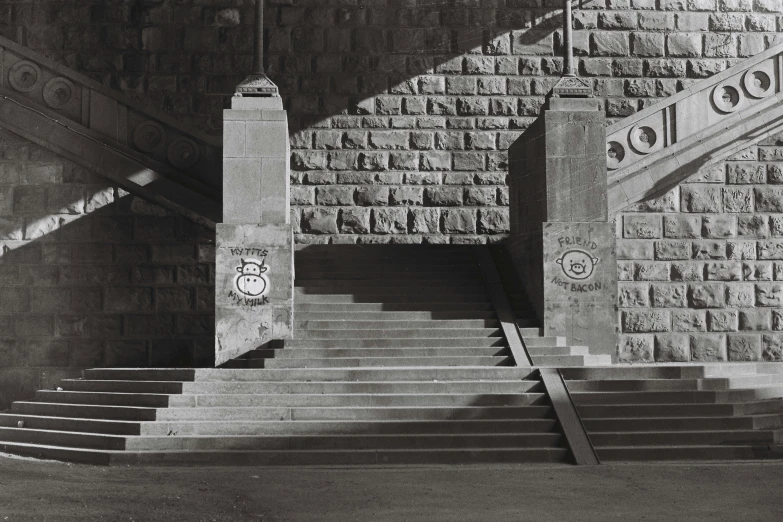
[(655, 149), (142, 150)]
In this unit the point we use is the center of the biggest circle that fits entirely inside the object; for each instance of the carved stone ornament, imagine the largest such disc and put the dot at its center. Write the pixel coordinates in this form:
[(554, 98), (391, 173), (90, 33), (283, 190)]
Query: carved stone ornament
[(58, 92), (257, 85), (615, 154), (183, 153), (758, 83), (644, 139), (572, 86), (24, 76), (727, 98), (149, 136)]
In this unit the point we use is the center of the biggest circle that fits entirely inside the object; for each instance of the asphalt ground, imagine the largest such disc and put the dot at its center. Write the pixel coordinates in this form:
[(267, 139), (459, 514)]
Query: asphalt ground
[(47, 490)]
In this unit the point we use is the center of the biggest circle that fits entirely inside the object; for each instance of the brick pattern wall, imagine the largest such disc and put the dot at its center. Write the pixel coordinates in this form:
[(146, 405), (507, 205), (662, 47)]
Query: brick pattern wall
[(401, 110), (91, 276), (701, 268)]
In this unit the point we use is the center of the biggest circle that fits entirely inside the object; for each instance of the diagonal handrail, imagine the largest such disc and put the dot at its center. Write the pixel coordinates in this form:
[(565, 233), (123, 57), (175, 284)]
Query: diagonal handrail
[(119, 121), (658, 147)]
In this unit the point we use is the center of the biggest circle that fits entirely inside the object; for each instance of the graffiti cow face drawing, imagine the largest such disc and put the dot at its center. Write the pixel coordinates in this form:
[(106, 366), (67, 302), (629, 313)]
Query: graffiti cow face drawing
[(577, 264), (250, 281)]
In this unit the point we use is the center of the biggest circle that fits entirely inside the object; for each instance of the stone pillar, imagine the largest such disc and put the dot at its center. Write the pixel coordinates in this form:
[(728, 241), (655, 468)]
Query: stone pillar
[(561, 240), (254, 258)]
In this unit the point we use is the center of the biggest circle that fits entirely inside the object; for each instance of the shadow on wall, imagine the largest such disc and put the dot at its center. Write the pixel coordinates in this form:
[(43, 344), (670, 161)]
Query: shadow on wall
[(337, 68), (117, 282)]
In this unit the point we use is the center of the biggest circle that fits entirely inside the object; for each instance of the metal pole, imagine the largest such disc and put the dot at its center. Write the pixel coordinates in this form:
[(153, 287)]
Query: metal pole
[(568, 51), (258, 55)]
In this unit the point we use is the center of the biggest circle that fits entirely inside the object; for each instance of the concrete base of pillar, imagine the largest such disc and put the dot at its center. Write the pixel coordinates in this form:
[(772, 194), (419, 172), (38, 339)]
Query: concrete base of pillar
[(254, 285), (580, 284)]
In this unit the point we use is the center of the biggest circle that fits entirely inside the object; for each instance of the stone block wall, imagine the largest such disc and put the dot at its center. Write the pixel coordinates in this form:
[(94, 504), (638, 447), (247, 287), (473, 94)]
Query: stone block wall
[(401, 111), (701, 268), (91, 276)]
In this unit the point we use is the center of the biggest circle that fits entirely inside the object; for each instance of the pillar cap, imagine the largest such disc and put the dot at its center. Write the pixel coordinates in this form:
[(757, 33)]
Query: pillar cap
[(257, 85), (572, 87)]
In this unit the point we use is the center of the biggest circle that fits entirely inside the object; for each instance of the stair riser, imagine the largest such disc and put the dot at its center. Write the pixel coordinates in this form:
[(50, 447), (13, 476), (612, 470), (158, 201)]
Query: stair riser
[(207, 401), (83, 411), (389, 324), (684, 424), (70, 424), (347, 458), (364, 387), (102, 399), (72, 440), (359, 413), (481, 319), (386, 362), (685, 453), (696, 397), (462, 307), (375, 442), (428, 333), (400, 427), (376, 374), (682, 439), (315, 353), (121, 386), (464, 342)]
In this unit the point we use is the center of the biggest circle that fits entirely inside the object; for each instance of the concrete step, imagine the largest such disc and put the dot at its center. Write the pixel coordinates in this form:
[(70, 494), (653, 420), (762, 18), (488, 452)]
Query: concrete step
[(423, 333), (40, 422), (394, 325), (411, 297), (662, 397), (346, 442), (304, 316), (682, 438), (103, 399), (355, 413), (375, 342), (631, 385), (348, 457), (66, 454), (364, 374), (153, 387), (390, 362), (692, 423), (629, 372), (396, 281), (564, 361), (87, 411), (308, 353), (681, 453), (62, 438), (423, 306), (528, 330), (357, 400), (541, 342), (588, 411), (229, 387), (557, 351), (183, 428), (747, 381), (140, 374)]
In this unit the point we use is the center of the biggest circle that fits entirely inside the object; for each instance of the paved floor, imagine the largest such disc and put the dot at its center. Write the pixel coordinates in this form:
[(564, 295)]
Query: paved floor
[(35, 490)]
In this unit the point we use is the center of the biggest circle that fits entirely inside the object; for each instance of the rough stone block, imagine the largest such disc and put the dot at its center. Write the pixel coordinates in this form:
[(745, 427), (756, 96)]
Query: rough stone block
[(682, 227), (709, 250), (758, 320), (769, 294), (708, 348), (753, 226), (757, 271), (706, 295), (459, 221), (652, 271), (672, 348), (719, 227), (700, 198), (633, 295), (669, 295), (737, 250), (772, 347), (635, 249), (744, 173), (425, 220), (355, 220), (724, 271), (743, 347), (372, 196), (689, 321), (636, 348), (641, 227), (493, 221), (319, 221), (671, 250), (389, 221), (722, 320), (646, 321), (737, 199), (770, 250)]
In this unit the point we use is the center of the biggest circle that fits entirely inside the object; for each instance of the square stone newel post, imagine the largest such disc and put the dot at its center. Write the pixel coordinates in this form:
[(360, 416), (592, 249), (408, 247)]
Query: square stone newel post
[(561, 240), (254, 257)]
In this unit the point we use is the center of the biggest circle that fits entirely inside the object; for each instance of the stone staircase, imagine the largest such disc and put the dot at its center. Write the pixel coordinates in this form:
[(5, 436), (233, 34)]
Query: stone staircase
[(681, 412), (550, 351), (398, 359)]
